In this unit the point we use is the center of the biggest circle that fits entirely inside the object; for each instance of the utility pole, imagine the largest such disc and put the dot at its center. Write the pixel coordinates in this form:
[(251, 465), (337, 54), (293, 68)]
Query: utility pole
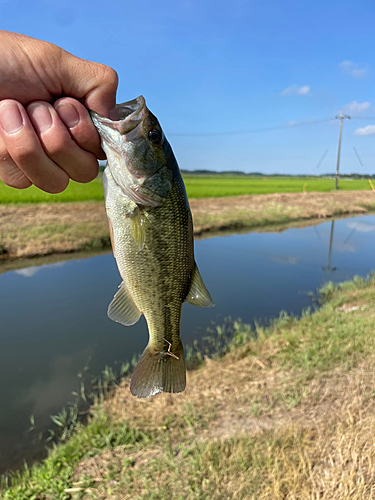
[(329, 268), (342, 118)]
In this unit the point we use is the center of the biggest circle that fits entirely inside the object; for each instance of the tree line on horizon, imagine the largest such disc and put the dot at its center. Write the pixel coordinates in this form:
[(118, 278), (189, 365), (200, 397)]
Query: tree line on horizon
[(260, 174)]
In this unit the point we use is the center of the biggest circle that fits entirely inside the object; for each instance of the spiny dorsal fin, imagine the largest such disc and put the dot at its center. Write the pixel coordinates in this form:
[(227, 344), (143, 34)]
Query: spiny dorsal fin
[(122, 308), (138, 220), (198, 294)]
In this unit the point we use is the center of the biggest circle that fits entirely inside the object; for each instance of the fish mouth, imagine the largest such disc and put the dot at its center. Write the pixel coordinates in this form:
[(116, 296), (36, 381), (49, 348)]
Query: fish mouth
[(127, 109), (129, 114)]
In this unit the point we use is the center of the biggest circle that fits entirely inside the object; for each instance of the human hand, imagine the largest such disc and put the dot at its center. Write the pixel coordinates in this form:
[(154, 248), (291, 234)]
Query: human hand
[(44, 141)]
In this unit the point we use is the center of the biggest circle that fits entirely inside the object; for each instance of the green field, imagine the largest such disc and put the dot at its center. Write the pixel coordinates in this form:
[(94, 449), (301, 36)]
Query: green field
[(74, 192), (198, 186), (203, 186)]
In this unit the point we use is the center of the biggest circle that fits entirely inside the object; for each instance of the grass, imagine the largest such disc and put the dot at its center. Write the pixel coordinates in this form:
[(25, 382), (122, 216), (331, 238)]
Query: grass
[(53, 475), (92, 191), (282, 413), (197, 186), (204, 186)]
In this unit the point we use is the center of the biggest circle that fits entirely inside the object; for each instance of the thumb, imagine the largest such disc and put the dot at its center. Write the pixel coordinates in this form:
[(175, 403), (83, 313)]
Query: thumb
[(93, 83)]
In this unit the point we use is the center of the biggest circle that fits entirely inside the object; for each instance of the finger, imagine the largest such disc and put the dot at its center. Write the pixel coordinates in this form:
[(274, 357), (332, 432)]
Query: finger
[(93, 82), (80, 126), (23, 146), (10, 174), (58, 144)]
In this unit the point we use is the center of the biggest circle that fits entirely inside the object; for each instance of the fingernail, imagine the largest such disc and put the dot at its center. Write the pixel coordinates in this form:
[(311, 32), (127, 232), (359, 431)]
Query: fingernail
[(10, 117), (68, 114), (41, 116)]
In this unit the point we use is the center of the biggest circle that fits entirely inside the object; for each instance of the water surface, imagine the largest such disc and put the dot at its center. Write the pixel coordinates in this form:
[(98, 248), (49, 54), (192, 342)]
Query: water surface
[(53, 317)]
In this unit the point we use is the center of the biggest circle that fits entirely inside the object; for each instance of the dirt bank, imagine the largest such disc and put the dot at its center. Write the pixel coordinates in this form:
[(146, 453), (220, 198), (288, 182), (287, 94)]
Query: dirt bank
[(42, 229)]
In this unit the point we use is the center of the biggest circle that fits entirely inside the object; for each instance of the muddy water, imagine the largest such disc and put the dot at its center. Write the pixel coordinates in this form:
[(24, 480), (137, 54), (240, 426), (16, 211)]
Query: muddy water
[(53, 316)]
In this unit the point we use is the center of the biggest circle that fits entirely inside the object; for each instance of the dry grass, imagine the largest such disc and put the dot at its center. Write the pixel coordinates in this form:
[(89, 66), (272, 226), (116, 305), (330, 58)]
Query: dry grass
[(42, 229), (212, 214), (31, 230), (322, 449)]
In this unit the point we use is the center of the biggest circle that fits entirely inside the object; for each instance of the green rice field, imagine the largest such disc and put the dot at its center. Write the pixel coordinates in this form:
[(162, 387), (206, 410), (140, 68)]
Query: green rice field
[(203, 186), (198, 186)]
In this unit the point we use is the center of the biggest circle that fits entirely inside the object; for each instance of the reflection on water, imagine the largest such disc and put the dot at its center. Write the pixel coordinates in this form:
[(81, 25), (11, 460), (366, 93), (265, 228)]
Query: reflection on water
[(329, 267), (53, 317)]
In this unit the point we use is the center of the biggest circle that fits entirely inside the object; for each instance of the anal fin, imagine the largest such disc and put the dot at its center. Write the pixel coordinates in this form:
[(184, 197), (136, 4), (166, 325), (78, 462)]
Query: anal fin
[(198, 294), (122, 308)]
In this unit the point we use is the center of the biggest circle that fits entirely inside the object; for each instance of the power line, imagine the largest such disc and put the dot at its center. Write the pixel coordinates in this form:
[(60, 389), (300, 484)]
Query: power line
[(358, 157), (246, 132), (262, 129), (321, 159), (363, 117)]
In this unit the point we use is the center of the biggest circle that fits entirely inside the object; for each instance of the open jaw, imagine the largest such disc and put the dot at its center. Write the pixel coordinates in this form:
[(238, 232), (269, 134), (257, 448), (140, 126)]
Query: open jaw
[(130, 115), (126, 109)]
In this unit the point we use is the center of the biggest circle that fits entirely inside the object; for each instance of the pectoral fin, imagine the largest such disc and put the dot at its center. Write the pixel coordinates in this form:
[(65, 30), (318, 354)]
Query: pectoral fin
[(138, 221), (198, 294), (122, 308)]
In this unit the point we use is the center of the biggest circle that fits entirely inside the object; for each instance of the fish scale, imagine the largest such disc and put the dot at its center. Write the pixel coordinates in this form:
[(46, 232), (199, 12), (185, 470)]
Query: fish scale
[(152, 237)]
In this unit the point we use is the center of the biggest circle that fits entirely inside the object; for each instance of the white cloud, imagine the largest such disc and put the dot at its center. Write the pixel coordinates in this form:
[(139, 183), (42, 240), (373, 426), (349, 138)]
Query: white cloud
[(284, 259), (368, 130), (352, 69), (356, 108), (28, 272), (363, 227), (296, 90)]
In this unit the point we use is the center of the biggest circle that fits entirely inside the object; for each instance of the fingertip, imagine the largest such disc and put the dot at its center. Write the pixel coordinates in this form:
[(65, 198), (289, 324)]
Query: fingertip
[(54, 186), (70, 111), (18, 181), (41, 115), (23, 183), (12, 116), (90, 173), (102, 98), (80, 108), (83, 132)]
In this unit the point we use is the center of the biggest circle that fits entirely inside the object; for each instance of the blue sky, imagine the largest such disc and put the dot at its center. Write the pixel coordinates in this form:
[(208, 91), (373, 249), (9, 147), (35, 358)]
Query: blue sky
[(234, 84)]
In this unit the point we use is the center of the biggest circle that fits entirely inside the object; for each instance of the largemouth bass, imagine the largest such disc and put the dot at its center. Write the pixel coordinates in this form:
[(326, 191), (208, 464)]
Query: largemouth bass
[(152, 239)]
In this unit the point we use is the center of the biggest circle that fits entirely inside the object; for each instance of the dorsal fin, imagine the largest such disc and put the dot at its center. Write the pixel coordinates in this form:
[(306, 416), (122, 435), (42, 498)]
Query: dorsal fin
[(122, 308), (198, 294)]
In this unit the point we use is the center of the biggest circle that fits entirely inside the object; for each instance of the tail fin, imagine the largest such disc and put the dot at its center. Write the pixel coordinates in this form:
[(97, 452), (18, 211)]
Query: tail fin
[(159, 371)]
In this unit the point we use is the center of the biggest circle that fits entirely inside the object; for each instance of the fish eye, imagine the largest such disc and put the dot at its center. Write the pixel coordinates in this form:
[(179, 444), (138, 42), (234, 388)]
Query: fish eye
[(154, 136)]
